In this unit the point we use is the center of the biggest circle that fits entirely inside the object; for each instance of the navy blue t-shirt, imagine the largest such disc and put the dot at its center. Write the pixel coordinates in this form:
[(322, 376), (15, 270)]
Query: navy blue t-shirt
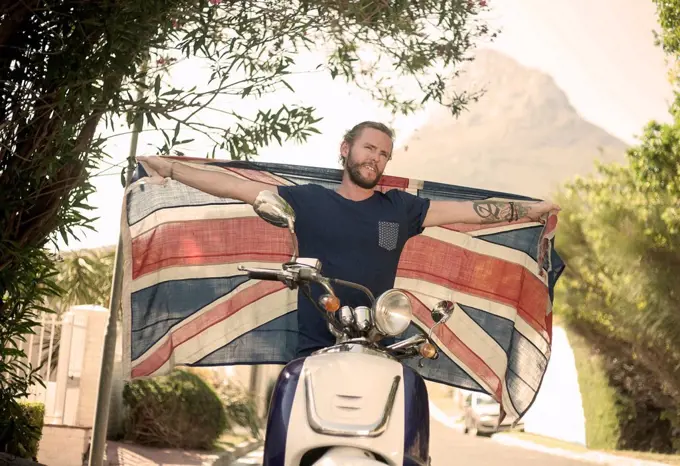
[(358, 241)]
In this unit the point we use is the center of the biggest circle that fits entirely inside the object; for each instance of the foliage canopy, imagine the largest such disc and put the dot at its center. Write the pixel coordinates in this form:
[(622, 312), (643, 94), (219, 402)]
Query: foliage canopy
[(71, 69)]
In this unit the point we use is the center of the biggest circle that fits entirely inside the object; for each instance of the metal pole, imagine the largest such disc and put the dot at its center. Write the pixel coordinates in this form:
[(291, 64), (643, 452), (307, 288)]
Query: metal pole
[(254, 383), (101, 415)]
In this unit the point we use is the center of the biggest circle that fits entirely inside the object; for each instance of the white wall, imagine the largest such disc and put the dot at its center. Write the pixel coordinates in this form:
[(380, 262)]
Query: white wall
[(63, 445), (558, 409)]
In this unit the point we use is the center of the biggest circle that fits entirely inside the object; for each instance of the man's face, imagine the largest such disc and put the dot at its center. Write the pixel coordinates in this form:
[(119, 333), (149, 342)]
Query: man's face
[(367, 157)]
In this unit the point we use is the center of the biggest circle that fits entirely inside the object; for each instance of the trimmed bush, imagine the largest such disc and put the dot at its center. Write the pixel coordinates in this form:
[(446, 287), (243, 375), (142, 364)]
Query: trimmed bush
[(241, 408), (24, 430), (240, 405), (179, 410), (600, 400)]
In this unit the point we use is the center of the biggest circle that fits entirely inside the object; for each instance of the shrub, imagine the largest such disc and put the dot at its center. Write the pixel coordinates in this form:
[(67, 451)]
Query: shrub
[(240, 407), (599, 398), (178, 410), (239, 404), (24, 430)]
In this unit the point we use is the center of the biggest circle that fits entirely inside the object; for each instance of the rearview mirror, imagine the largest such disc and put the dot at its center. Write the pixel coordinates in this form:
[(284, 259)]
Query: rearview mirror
[(274, 209), (442, 311)]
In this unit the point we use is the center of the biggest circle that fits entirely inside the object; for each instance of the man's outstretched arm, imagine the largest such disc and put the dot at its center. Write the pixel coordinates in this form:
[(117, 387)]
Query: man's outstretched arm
[(486, 211), (217, 183)]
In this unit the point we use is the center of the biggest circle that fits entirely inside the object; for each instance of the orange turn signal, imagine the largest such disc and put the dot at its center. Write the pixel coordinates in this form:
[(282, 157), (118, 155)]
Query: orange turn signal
[(329, 303), (427, 350)]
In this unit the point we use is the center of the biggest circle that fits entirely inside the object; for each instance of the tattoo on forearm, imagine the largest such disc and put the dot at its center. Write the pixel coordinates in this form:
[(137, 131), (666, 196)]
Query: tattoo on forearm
[(498, 211)]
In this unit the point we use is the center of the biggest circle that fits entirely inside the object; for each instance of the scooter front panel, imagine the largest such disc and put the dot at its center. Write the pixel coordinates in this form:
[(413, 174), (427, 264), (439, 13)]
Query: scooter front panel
[(417, 419), (348, 399), (279, 413)]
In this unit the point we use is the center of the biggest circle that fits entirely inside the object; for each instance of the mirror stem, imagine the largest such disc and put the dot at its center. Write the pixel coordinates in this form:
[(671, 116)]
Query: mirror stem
[(296, 251)]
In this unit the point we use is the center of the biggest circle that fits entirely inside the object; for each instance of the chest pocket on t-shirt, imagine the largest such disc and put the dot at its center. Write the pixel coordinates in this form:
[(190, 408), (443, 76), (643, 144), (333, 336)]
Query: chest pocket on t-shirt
[(388, 235)]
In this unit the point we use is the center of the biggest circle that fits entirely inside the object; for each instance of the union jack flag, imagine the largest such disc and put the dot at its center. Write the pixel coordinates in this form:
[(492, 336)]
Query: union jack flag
[(186, 303)]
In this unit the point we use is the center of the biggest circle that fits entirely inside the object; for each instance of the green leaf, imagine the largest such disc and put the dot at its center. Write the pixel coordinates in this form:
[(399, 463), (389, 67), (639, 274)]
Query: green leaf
[(176, 133), (151, 120)]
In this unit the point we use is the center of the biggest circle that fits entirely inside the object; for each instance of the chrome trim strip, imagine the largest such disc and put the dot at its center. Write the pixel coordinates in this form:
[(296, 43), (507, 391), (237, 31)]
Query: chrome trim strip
[(357, 345), (409, 342), (373, 429)]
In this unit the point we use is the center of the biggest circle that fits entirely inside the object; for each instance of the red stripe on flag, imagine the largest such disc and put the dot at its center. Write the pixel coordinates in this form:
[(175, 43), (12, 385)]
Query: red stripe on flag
[(551, 225), (255, 175), (204, 242), (468, 357), (192, 329), (387, 181), (384, 189), (454, 267)]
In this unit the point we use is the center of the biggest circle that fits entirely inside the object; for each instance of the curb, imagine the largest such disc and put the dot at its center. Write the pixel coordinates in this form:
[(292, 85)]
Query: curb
[(590, 456), (453, 423), (227, 457), (11, 460)]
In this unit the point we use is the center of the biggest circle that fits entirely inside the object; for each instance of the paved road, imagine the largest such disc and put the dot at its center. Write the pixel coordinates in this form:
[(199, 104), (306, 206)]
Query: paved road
[(449, 447)]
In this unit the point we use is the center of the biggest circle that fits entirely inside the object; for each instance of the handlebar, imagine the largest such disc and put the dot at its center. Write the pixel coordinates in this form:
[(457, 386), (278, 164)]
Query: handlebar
[(264, 275), (294, 274)]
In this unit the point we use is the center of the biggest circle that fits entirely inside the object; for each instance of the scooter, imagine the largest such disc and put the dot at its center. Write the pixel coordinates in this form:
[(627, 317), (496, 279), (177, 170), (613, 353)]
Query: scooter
[(353, 403)]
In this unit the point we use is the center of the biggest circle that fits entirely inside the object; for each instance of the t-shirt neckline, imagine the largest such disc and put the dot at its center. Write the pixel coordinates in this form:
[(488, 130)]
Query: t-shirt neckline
[(352, 201)]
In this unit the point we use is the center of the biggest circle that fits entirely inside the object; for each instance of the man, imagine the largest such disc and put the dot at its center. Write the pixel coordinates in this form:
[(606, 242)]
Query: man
[(357, 233)]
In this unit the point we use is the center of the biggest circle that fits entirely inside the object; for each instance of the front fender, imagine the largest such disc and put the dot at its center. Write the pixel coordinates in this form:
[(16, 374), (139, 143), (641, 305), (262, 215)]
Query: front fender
[(348, 456)]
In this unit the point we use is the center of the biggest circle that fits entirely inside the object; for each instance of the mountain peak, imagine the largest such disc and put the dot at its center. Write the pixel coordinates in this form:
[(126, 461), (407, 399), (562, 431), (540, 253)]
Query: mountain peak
[(522, 136)]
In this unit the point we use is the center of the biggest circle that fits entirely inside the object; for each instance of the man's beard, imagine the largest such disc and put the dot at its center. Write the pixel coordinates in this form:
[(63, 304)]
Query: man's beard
[(354, 171)]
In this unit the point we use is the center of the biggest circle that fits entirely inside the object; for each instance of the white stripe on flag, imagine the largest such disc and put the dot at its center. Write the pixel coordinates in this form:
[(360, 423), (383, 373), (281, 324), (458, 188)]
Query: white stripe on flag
[(191, 318), (533, 336), (504, 228), (216, 336), (189, 214), (243, 321), (187, 272), (415, 185)]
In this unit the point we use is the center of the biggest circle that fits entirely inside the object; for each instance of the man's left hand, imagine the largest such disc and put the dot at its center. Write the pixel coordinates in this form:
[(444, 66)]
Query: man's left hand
[(539, 210)]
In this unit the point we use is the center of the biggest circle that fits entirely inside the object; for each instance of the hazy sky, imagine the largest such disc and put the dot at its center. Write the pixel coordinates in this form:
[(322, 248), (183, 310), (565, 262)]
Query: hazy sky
[(600, 52)]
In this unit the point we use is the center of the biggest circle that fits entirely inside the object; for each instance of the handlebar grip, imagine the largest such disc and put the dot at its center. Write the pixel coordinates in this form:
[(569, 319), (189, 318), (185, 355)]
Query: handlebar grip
[(307, 274), (262, 275)]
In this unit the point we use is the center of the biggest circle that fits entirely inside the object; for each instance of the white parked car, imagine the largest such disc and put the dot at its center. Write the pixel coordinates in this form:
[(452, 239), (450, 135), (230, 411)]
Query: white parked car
[(481, 416)]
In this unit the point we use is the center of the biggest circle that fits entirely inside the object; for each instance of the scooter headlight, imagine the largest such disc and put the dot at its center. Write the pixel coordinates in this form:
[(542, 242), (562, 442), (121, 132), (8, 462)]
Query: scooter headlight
[(392, 313)]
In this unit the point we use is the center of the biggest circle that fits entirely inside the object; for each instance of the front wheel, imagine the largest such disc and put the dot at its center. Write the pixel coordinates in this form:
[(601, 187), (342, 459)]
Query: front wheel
[(348, 456)]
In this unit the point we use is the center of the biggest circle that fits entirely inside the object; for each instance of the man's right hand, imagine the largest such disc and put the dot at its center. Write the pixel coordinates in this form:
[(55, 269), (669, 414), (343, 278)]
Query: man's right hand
[(155, 165)]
